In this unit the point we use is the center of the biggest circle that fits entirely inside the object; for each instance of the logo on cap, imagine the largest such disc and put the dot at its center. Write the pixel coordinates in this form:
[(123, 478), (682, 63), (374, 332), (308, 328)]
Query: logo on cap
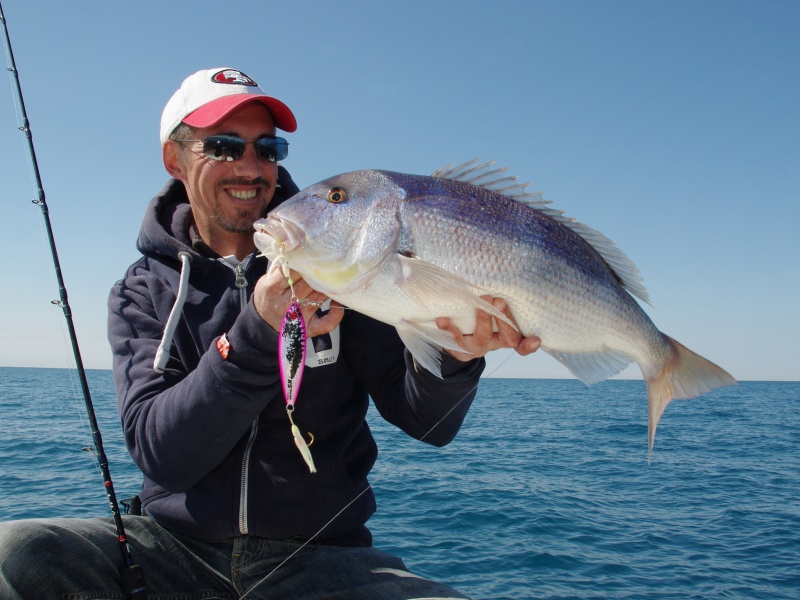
[(232, 76)]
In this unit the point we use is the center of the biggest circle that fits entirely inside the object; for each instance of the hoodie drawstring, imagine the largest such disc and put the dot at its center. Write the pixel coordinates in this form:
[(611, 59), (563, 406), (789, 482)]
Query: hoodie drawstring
[(162, 354)]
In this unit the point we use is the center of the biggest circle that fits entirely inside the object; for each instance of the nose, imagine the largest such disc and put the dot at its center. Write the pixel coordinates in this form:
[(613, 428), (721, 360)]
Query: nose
[(248, 165)]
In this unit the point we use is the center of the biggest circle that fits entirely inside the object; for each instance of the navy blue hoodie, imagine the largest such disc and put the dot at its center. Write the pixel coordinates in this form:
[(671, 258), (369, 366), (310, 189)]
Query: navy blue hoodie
[(211, 435)]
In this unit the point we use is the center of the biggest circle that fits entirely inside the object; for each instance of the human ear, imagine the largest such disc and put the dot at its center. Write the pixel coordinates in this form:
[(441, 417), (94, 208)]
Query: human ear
[(173, 159)]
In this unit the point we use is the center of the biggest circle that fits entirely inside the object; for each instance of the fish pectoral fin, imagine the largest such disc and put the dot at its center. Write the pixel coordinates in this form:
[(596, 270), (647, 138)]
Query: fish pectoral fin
[(426, 343), (428, 284), (592, 367)]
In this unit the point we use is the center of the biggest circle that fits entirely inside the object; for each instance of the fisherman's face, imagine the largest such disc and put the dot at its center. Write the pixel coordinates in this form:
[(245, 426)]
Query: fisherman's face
[(227, 197)]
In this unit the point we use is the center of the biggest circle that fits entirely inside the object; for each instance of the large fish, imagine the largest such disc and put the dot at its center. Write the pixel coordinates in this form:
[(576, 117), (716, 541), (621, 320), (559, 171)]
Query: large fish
[(406, 249)]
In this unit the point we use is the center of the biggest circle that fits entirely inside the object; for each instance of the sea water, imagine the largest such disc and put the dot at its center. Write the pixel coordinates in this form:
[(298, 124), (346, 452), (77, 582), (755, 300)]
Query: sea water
[(545, 493)]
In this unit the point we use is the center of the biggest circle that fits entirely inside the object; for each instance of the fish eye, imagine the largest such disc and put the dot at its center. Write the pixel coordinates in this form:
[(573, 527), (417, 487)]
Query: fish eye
[(337, 195)]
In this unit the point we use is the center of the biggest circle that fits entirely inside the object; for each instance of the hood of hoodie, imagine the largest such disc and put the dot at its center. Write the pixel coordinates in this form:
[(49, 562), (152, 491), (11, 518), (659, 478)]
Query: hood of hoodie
[(166, 223)]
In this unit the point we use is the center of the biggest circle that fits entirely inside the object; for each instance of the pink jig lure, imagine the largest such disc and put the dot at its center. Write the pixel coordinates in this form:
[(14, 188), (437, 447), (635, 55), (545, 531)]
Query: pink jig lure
[(292, 352), (292, 360)]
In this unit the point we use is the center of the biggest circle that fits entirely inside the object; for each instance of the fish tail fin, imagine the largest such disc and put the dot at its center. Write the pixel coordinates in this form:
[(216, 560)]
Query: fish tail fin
[(685, 375)]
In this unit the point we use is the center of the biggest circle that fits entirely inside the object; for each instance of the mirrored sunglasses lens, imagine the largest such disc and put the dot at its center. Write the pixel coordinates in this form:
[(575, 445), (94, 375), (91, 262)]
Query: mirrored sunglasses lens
[(273, 149), (223, 147)]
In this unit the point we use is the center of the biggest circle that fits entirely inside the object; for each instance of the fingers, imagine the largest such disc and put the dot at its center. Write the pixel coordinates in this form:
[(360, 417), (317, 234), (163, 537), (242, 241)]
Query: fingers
[(507, 336), (483, 336), (445, 324), (489, 334), (528, 345), (510, 337), (273, 295), (317, 325), (493, 334)]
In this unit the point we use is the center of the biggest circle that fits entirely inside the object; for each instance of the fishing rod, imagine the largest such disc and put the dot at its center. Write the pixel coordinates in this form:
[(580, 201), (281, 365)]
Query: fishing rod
[(133, 582)]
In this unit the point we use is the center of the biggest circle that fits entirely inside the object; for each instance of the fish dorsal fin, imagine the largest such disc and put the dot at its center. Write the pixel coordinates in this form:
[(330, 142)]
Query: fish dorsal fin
[(495, 180)]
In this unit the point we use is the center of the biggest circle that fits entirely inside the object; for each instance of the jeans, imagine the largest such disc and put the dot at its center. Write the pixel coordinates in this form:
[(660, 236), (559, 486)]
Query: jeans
[(80, 559)]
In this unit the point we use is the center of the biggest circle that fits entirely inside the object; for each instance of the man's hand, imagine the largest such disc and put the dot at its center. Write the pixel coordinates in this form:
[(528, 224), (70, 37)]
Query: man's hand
[(273, 295), (484, 339)]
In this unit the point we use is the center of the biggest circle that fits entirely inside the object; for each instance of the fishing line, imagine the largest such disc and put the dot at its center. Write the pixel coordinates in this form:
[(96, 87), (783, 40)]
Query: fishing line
[(76, 399), (344, 508), (504, 361), (282, 262), (132, 576)]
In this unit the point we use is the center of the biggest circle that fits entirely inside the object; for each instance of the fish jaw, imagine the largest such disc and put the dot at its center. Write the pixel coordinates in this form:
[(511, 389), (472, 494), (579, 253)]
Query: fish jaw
[(284, 242), (275, 235)]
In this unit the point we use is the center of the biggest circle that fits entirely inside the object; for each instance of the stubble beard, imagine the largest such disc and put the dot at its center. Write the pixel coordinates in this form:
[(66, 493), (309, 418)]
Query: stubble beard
[(242, 223)]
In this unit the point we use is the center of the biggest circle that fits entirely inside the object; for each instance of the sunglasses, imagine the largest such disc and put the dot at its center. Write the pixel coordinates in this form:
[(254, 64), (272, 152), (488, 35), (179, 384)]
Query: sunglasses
[(231, 147)]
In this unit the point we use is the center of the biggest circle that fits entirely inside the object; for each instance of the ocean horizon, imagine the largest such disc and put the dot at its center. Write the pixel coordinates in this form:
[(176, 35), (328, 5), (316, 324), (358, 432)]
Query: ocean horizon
[(545, 493)]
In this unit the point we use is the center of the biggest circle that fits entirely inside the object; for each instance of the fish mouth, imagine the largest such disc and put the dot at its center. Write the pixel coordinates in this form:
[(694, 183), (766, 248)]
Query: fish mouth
[(275, 235)]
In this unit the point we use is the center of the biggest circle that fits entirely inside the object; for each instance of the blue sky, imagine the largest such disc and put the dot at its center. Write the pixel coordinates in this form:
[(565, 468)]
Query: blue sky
[(672, 127)]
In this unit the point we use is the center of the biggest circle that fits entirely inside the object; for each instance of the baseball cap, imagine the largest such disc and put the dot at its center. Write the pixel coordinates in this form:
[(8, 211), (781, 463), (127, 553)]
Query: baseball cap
[(208, 96)]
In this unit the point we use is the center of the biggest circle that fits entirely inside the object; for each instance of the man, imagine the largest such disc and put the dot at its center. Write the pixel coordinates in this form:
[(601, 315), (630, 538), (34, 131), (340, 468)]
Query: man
[(227, 498)]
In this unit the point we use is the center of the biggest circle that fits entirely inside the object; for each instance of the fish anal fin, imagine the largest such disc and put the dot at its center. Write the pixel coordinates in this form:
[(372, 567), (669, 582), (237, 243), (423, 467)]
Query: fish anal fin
[(591, 367)]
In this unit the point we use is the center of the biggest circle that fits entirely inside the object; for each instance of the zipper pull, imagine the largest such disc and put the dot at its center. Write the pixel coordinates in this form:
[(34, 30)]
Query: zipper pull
[(241, 280)]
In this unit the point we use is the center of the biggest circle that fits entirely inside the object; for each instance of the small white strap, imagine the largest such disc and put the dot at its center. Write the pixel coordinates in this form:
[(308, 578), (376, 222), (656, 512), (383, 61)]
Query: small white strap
[(162, 354)]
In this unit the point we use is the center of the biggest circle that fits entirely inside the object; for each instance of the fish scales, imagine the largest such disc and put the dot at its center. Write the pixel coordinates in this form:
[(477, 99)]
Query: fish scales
[(525, 233), (514, 246), (406, 249)]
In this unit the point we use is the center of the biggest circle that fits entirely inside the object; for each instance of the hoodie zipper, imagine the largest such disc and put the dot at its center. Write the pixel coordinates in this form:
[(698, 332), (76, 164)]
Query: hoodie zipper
[(243, 529), (241, 284)]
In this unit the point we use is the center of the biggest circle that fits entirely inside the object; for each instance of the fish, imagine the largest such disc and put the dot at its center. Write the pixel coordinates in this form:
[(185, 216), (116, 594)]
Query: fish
[(406, 249)]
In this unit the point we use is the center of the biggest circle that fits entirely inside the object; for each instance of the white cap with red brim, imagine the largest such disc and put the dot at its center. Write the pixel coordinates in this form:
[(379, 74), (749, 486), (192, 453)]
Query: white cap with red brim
[(208, 96)]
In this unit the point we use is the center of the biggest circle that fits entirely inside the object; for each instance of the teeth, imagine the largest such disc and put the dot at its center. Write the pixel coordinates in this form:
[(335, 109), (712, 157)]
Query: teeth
[(243, 194)]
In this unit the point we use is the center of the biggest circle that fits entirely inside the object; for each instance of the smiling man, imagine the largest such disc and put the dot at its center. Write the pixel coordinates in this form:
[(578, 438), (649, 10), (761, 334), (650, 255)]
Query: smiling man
[(227, 195), (227, 499)]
